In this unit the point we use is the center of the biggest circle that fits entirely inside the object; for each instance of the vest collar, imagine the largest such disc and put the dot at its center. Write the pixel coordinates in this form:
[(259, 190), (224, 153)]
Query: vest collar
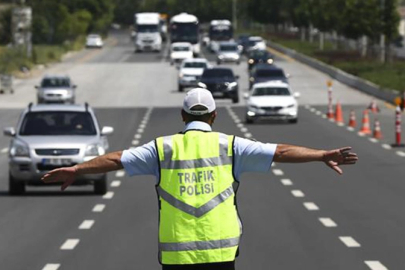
[(197, 125)]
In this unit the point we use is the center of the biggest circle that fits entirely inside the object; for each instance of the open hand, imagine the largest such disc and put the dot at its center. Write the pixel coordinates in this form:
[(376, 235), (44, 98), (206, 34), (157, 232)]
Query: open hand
[(66, 175), (341, 156)]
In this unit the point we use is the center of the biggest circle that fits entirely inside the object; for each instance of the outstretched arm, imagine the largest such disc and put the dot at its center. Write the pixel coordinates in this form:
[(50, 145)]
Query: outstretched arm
[(102, 164), (332, 158)]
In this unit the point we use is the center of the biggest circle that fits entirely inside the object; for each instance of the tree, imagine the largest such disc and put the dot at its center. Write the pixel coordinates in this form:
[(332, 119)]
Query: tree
[(5, 26)]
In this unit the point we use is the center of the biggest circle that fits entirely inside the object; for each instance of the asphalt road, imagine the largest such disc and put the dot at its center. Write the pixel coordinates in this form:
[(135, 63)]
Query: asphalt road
[(297, 216)]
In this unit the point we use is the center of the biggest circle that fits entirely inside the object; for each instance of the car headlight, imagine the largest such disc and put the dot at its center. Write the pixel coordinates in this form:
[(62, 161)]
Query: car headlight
[(19, 149), (270, 61), (221, 56), (231, 85), (94, 150), (251, 61), (181, 75), (251, 79)]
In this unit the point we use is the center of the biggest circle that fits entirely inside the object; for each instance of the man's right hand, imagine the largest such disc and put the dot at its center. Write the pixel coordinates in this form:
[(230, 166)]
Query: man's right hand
[(66, 175)]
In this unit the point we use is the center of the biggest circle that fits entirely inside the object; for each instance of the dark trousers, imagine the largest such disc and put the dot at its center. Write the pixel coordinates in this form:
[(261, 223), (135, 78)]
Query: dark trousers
[(204, 266)]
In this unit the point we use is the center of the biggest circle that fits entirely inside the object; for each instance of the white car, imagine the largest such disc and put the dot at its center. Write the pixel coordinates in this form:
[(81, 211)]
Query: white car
[(190, 72), (228, 52), (272, 100), (94, 41), (256, 43), (180, 51)]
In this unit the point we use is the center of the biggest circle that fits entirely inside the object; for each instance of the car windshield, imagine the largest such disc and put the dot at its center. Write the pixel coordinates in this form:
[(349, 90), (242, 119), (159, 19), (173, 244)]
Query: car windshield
[(57, 123), (55, 82), (181, 48), (271, 91), (147, 28), (195, 65), (217, 73), (228, 48), (269, 73), (93, 36), (254, 42), (259, 54)]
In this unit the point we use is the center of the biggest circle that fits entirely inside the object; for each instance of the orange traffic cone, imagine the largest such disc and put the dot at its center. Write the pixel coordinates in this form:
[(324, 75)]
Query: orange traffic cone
[(365, 129), (352, 119), (373, 107), (377, 130), (339, 114)]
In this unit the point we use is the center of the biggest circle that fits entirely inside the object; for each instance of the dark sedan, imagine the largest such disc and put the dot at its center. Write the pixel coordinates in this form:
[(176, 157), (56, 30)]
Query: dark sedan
[(265, 73), (221, 82), (259, 56)]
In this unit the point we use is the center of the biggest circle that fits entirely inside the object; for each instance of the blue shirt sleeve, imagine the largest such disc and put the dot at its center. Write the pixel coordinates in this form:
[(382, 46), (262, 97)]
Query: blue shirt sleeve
[(252, 156), (142, 160)]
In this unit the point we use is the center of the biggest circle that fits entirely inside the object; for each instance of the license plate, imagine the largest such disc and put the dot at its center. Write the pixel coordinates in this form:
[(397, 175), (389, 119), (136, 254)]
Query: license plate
[(218, 94), (56, 161)]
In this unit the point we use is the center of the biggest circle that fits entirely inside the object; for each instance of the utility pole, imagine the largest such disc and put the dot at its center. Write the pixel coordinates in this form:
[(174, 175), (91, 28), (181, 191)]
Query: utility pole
[(234, 15), (382, 36)]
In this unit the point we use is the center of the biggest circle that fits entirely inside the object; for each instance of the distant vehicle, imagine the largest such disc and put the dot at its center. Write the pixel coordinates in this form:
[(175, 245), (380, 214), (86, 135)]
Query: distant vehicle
[(221, 82), (243, 42), (259, 56), (52, 136), (148, 32), (185, 28), (228, 52), (266, 72), (94, 41), (256, 43), (220, 30), (56, 89), (272, 100), (190, 72), (6, 83), (180, 51)]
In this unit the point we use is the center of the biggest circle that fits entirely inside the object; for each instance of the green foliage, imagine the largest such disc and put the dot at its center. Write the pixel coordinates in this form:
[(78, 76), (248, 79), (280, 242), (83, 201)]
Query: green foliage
[(5, 26)]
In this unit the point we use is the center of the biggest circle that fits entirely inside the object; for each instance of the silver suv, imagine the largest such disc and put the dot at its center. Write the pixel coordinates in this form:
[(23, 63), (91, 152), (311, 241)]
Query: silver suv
[(53, 136), (56, 89)]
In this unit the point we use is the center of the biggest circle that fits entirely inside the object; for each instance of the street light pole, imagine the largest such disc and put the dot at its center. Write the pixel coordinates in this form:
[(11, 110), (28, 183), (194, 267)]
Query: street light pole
[(382, 36)]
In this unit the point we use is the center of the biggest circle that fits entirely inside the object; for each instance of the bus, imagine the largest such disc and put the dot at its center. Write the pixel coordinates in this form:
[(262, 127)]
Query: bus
[(185, 28), (220, 30)]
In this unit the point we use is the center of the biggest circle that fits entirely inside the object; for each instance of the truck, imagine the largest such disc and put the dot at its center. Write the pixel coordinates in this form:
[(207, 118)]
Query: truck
[(147, 32)]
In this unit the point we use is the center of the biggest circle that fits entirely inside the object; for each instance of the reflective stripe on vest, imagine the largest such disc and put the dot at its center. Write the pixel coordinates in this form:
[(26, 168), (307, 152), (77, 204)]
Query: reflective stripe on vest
[(200, 245)]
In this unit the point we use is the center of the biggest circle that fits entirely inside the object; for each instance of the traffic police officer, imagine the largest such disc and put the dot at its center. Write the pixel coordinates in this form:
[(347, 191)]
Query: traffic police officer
[(197, 174)]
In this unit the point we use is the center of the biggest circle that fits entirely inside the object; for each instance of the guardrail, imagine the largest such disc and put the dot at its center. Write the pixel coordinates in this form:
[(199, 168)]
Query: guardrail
[(362, 85)]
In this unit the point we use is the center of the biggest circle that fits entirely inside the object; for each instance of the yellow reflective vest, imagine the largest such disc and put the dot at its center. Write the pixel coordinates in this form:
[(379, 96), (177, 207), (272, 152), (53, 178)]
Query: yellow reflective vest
[(199, 222)]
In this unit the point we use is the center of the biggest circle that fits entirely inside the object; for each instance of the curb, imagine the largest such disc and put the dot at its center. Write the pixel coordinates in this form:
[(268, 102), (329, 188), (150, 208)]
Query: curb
[(362, 85)]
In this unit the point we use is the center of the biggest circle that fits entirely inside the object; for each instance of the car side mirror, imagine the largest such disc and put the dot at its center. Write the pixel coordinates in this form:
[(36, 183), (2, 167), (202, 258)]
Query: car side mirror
[(107, 131), (36, 86), (9, 131), (246, 95), (75, 86), (237, 77), (296, 94)]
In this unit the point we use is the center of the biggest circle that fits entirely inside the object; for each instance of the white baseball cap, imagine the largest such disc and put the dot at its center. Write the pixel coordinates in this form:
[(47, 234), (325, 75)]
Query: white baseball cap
[(198, 96)]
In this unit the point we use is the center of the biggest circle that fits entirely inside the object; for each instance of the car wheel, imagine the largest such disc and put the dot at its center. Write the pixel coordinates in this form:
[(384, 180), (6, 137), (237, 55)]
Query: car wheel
[(235, 99), (293, 121), (180, 88), (15, 187), (100, 186)]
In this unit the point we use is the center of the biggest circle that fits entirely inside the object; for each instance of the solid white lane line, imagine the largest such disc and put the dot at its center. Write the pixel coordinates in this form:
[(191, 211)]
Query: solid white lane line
[(278, 172), (327, 222), (86, 225), (310, 206), (386, 146), (349, 241), (70, 244), (297, 193), (135, 142), (138, 136), (51, 266), (4, 150), (401, 154), (108, 195), (116, 183), (373, 140), (120, 173), (98, 208), (248, 135), (286, 182), (375, 265)]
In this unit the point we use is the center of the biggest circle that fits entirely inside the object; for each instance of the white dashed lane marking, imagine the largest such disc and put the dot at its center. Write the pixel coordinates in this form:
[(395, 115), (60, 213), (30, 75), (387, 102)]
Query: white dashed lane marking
[(116, 183), (297, 193), (278, 172), (375, 265), (70, 244), (4, 150), (138, 136), (86, 225), (248, 135), (51, 266), (349, 241), (401, 154), (244, 129), (327, 222), (310, 206), (135, 142), (386, 146), (286, 182), (109, 195), (140, 130), (373, 140), (120, 173), (98, 208)]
